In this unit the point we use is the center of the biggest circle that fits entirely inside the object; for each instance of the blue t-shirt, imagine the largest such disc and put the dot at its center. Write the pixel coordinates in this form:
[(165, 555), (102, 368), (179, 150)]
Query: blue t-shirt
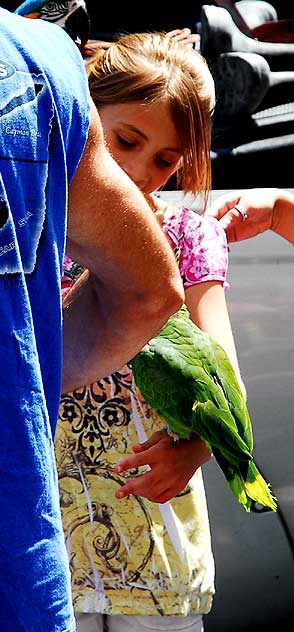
[(44, 117)]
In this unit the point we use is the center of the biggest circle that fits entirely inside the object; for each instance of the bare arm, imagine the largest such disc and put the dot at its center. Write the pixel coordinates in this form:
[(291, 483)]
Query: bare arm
[(266, 209), (134, 285), (283, 215), (207, 305)]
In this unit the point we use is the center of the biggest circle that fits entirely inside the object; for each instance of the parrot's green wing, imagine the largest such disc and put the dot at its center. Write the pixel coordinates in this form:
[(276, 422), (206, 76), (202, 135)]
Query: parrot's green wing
[(241, 474), (169, 397), (172, 372), (216, 363), (187, 378), (173, 388), (234, 396)]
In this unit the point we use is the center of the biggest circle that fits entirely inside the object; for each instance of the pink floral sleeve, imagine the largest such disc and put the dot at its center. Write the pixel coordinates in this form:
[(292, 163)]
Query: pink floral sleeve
[(200, 246)]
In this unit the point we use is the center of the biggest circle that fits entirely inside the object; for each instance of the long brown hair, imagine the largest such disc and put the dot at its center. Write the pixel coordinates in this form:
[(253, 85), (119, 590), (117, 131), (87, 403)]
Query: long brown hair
[(151, 67)]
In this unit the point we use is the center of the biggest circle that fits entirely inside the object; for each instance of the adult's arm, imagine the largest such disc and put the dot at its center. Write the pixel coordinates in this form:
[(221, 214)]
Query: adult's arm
[(265, 208), (134, 284)]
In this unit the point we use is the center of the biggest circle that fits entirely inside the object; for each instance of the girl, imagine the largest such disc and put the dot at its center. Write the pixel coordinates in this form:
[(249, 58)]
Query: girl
[(135, 564)]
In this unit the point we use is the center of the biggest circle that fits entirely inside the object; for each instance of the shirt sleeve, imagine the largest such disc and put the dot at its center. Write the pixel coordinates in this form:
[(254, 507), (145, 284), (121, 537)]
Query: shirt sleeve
[(202, 247)]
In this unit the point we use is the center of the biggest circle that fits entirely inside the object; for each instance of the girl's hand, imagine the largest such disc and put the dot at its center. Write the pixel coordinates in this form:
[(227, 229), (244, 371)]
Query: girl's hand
[(157, 205), (171, 466), (184, 36), (257, 204)]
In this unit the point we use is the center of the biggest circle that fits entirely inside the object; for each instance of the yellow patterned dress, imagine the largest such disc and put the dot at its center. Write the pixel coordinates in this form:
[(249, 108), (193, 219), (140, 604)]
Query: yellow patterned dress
[(132, 556)]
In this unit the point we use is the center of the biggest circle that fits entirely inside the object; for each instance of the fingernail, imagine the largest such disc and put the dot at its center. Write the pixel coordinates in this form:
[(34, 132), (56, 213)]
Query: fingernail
[(119, 494)]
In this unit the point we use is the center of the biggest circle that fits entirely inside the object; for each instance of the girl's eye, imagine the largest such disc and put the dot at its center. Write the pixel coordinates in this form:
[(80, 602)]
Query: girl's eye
[(123, 141), (163, 162)]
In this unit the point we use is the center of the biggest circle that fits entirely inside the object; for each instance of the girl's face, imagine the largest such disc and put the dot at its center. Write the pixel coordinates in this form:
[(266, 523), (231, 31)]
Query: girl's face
[(143, 139)]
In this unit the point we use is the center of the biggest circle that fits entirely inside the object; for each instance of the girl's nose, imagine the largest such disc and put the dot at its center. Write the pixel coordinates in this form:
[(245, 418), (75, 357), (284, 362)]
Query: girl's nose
[(138, 171)]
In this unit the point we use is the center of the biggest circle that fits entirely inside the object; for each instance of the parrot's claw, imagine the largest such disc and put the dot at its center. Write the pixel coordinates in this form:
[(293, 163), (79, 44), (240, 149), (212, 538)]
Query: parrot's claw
[(172, 434)]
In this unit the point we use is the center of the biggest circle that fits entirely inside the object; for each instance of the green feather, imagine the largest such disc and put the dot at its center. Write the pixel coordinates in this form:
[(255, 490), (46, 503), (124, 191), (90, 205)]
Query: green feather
[(188, 379)]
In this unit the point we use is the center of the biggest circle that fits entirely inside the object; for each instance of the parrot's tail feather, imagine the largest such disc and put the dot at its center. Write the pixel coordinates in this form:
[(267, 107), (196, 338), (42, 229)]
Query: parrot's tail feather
[(251, 487), (237, 486), (258, 489)]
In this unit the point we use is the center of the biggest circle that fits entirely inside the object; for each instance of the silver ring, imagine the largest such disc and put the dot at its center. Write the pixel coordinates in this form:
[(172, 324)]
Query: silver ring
[(243, 213)]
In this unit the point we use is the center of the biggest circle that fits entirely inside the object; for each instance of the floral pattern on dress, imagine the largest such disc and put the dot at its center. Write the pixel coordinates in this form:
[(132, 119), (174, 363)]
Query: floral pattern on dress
[(202, 245)]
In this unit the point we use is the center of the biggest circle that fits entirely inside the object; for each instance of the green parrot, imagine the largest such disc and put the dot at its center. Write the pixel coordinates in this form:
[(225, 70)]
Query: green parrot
[(188, 379)]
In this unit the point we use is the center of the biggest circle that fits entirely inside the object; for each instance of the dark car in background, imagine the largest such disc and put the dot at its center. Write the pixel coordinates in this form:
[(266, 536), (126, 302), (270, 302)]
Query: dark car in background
[(254, 553)]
